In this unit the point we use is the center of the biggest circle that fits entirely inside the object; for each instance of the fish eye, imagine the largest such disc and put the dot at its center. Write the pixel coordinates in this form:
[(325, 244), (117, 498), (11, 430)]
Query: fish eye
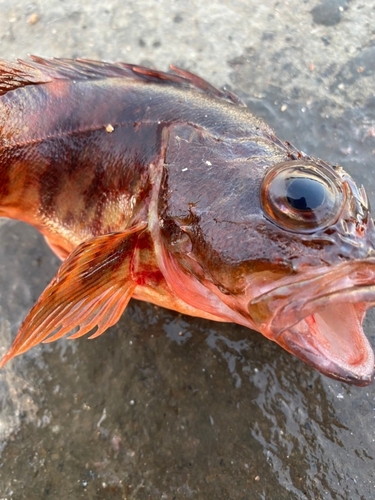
[(301, 196)]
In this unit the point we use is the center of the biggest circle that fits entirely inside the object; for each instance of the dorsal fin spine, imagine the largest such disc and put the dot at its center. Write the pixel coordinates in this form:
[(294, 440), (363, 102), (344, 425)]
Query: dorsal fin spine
[(42, 71)]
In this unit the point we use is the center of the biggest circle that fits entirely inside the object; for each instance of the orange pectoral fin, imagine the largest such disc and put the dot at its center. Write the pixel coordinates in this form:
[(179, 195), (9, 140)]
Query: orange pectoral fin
[(91, 289)]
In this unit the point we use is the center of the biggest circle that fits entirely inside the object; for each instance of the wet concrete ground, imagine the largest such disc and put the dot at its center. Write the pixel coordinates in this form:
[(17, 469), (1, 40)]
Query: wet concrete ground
[(171, 407)]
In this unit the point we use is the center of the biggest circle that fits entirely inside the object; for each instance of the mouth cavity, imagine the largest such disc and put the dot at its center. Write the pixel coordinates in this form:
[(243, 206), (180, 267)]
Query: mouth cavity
[(332, 341), (319, 320)]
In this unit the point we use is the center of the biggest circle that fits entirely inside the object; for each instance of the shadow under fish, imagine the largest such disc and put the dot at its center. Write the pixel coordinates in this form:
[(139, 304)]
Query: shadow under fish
[(160, 187)]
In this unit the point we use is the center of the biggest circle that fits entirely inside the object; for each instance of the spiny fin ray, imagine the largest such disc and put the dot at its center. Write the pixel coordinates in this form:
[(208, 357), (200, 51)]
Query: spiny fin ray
[(40, 71)]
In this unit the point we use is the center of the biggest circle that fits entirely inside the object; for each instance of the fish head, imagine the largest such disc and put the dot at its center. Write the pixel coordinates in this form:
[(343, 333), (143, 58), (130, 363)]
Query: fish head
[(276, 242)]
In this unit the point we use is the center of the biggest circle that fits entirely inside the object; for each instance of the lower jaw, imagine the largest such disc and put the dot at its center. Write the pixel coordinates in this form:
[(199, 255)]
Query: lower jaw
[(343, 353)]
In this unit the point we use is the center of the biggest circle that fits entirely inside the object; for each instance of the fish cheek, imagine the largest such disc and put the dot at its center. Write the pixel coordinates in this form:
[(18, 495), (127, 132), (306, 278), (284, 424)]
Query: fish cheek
[(231, 258), (229, 279)]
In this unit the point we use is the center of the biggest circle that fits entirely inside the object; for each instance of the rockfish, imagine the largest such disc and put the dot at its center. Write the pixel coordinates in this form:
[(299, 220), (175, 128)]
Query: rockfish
[(160, 187)]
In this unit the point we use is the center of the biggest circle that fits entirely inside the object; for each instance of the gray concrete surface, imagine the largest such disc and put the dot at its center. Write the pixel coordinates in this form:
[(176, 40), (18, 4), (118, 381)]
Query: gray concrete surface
[(217, 412)]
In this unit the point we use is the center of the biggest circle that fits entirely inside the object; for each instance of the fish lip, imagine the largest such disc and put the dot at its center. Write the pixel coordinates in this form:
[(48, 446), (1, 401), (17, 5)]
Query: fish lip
[(289, 309), (293, 298)]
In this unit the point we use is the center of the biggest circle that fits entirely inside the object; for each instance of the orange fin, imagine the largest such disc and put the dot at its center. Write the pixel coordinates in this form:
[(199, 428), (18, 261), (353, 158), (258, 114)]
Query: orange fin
[(91, 289)]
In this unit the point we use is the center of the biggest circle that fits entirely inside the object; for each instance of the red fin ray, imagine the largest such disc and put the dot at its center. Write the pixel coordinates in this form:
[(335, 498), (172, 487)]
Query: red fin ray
[(40, 70), (20, 74), (202, 84), (101, 312), (91, 289)]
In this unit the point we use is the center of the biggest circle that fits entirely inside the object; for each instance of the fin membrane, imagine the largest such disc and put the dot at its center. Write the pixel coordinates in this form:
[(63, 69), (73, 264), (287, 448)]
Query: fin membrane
[(90, 290)]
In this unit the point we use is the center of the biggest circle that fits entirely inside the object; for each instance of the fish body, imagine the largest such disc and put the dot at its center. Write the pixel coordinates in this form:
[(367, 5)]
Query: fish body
[(160, 187)]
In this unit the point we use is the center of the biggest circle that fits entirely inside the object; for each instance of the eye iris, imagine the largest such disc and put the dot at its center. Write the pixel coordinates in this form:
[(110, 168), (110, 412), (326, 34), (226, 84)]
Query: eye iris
[(304, 193), (302, 196)]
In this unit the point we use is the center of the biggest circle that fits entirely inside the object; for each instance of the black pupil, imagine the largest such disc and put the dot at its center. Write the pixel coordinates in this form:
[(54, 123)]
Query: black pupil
[(304, 193)]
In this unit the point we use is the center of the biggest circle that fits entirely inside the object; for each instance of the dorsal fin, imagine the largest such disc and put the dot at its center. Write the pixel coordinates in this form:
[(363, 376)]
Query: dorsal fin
[(20, 74), (40, 70)]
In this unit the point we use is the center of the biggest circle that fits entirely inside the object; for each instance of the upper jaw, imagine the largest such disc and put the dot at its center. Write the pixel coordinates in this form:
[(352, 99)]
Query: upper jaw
[(319, 318)]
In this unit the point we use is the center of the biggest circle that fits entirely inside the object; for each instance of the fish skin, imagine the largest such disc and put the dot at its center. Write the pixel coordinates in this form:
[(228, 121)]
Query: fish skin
[(149, 185)]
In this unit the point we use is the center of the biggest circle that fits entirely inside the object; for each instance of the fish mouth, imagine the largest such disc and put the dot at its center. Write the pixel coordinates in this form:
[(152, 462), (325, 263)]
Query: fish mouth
[(319, 319)]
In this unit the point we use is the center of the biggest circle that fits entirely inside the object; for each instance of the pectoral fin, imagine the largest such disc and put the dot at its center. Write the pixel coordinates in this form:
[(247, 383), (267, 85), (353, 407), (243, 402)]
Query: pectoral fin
[(91, 289)]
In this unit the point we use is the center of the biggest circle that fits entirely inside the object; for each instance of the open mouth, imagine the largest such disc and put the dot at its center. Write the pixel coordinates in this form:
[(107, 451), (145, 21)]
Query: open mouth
[(319, 319)]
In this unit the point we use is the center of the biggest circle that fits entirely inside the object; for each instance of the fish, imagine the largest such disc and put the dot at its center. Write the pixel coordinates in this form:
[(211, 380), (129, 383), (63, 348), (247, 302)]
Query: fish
[(158, 186)]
